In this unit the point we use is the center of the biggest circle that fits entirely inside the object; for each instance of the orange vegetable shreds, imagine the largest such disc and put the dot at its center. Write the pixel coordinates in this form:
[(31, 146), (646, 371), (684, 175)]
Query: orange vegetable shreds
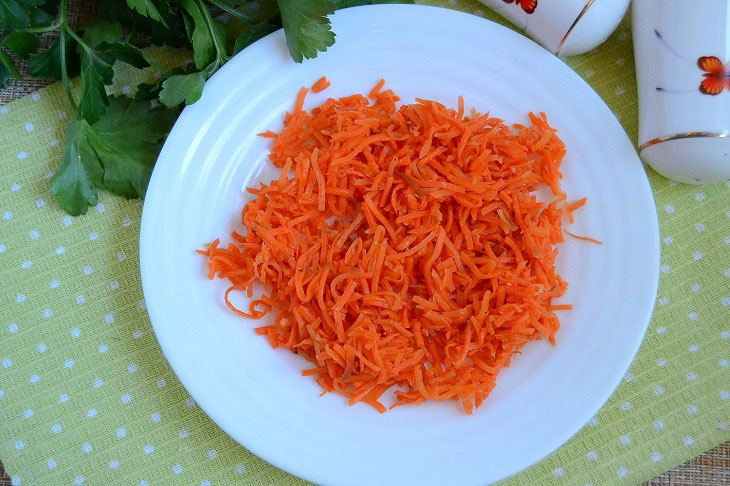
[(584, 238), (403, 246), (321, 85)]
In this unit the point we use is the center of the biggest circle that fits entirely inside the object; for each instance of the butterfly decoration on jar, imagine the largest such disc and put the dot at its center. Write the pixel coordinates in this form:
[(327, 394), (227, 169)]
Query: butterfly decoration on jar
[(528, 6), (716, 74)]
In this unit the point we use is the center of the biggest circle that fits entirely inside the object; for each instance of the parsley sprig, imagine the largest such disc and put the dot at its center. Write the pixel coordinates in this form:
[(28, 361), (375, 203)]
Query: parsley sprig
[(112, 142)]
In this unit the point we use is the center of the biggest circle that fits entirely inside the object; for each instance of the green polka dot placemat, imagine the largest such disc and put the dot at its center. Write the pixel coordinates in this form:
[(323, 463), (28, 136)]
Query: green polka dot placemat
[(86, 396)]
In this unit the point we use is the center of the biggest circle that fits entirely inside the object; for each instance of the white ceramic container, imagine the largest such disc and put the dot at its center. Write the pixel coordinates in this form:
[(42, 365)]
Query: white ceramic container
[(682, 50), (564, 27)]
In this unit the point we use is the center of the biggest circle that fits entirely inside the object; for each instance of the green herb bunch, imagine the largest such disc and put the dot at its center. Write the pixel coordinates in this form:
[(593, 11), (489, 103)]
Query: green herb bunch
[(112, 142)]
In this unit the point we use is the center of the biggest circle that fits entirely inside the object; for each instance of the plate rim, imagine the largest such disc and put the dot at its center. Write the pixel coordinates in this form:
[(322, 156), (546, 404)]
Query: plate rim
[(147, 231)]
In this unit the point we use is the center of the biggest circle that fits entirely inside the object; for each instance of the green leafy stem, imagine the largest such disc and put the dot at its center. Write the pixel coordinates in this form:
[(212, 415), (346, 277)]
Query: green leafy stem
[(112, 142)]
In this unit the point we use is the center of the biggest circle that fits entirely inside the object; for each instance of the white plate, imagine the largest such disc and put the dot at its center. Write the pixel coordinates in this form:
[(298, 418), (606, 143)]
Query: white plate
[(257, 395)]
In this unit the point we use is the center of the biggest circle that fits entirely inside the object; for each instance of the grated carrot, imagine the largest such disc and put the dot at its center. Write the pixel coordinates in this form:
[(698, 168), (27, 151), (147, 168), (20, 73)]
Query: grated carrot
[(584, 238), (321, 85), (408, 249)]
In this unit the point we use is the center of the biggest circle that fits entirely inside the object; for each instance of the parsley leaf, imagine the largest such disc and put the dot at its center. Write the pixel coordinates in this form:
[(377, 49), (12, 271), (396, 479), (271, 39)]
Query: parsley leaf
[(148, 91), (48, 63), (201, 37), (96, 67), (146, 8), (96, 71), (80, 173), (151, 91), (116, 153), (17, 14), (252, 34), (182, 87), (174, 36), (4, 75), (99, 31), (9, 66), (169, 32), (112, 142), (127, 140), (248, 11), (307, 27), (125, 52), (45, 13), (21, 43)]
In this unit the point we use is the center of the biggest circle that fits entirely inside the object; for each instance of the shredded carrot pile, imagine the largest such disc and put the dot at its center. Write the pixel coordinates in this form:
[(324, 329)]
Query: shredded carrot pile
[(402, 246)]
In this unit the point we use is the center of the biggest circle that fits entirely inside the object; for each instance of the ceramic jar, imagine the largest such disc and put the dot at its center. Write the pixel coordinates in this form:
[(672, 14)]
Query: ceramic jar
[(682, 51), (564, 27)]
